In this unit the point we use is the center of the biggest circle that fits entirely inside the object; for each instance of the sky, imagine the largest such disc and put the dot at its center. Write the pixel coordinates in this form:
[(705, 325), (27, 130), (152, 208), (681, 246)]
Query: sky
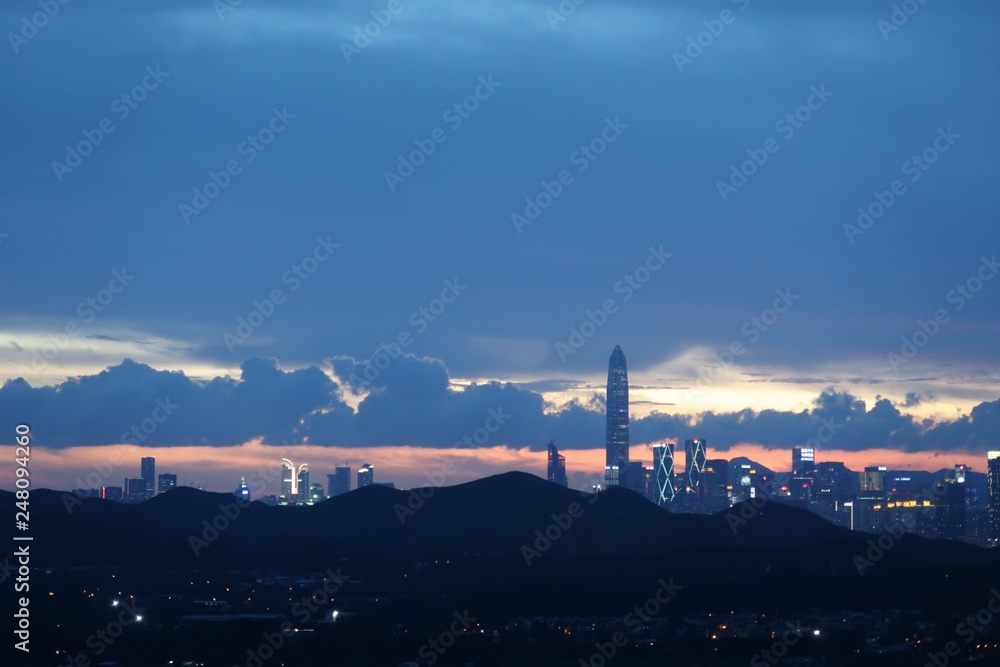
[(353, 230)]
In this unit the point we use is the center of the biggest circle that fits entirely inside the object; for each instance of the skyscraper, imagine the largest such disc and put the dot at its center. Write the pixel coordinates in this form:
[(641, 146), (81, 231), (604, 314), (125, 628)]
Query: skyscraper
[(695, 457), (663, 473), (148, 473), (166, 481), (289, 482), (869, 507), (803, 461), (617, 418), (243, 491), (803, 473), (366, 475), (557, 466), (135, 489), (303, 491), (294, 483), (993, 477), (339, 482)]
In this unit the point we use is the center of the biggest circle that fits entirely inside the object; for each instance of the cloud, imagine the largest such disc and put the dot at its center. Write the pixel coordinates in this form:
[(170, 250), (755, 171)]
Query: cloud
[(411, 401)]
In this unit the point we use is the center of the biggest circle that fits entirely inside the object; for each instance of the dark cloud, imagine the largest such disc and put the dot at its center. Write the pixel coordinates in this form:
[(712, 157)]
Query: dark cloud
[(410, 402)]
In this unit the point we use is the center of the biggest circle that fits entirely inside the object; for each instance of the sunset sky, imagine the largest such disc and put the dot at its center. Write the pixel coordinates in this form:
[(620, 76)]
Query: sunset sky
[(335, 232)]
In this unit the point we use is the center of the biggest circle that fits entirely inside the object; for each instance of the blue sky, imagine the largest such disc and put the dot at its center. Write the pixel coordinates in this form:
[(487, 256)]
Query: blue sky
[(832, 104)]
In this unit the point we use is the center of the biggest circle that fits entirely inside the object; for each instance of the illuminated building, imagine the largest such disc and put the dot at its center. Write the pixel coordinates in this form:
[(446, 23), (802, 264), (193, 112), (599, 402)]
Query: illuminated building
[(557, 466), (616, 435), (315, 493), (993, 477), (803, 474), (302, 495), (663, 473), (695, 457), (292, 480), (803, 461), (366, 475), (243, 491), (870, 506), (949, 512), (111, 493), (715, 483), (165, 482), (147, 471)]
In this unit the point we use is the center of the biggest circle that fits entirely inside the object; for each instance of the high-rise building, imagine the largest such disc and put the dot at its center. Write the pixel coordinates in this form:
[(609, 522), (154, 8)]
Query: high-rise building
[(303, 488), (112, 493), (165, 482), (148, 472), (242, 492), (616, 437), (315, 493), (557, 466), (695, 457), (803, 474), (715, 483), (869, 508), (663, 473), (366, 475), (294, 483), (135, 490), (993, 477), (803, 460), (289, 482), (339, 482), (949, 511)]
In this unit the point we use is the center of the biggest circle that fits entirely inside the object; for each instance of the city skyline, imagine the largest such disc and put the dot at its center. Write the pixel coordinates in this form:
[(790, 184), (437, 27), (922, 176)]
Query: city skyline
[(790, 225)]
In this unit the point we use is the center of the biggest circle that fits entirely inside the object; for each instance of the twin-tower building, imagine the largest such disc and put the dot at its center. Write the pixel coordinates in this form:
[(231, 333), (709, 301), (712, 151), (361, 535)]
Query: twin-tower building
[(620, 471)]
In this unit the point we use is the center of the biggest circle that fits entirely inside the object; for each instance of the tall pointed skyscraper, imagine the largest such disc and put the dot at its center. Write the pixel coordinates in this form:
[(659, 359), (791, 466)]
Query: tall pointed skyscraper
[(617, 418)]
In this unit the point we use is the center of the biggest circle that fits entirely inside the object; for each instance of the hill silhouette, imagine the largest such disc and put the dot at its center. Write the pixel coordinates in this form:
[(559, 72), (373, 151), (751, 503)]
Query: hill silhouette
[(535, 533)]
